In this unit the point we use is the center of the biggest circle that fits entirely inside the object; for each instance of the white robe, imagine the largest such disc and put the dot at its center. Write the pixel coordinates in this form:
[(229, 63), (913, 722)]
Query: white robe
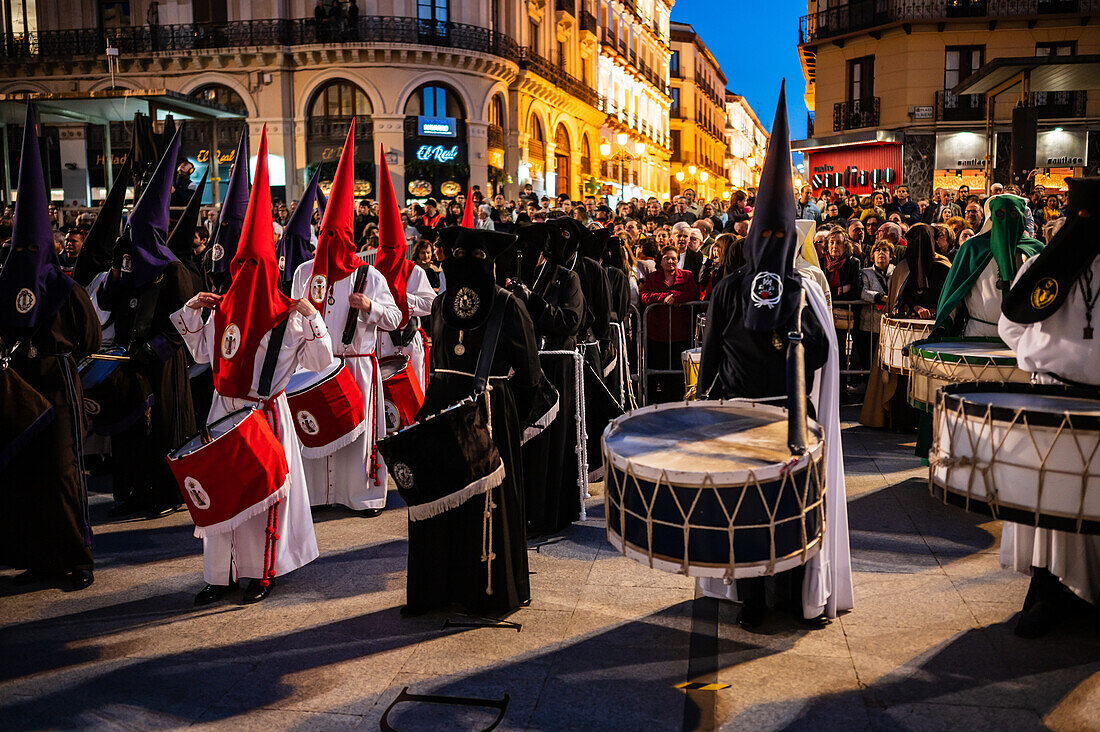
[(827, 586), (983, 303), (344, 476), (421, 295), (1056, 346), (240, 553)]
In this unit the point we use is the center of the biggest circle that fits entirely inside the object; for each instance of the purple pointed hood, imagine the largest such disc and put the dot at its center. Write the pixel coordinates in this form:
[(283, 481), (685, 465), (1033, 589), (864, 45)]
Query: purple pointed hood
[(32, 286), (293, 248), (233, 210), (145, 251)]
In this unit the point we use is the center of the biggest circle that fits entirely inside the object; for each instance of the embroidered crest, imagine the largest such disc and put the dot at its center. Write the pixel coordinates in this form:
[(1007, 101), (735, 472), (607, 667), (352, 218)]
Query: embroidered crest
[(467, 302), (127, 263), (393, 417), (217, 252), (307, 422), (24, 301), (282, 263), (317, 286), (1044, 293), (402, 475), (91, 407), (200, 499), (231, 341), (767, 289)]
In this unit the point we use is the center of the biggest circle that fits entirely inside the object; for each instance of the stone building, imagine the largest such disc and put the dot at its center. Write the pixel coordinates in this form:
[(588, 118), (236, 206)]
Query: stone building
[(698, 116)]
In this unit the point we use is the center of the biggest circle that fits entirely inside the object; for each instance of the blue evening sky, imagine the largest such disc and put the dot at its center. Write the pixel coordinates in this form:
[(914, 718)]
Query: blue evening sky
[(756, 44)]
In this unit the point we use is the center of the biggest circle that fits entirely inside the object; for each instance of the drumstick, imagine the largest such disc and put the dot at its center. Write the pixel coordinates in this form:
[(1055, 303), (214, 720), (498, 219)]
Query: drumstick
[(796, 384), (108, 357)]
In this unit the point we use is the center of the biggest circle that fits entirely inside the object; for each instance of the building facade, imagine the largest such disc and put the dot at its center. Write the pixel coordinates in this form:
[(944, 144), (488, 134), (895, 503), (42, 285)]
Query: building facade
[(746, 143), (453, 92), (634, 43), (697, 116), (879, 78)]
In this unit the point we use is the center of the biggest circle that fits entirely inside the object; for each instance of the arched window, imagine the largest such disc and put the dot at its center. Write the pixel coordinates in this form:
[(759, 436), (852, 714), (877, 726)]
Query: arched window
[(562, 160), (221, 95), (339, 99), (586, 156), (331, 111), (496, 111), (434, 100)]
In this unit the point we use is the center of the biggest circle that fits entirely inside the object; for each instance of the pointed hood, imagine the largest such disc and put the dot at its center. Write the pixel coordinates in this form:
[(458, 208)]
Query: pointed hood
[(144, 147), (253, 305), (181, 241), (226, 238), (771, 287), (293, 248), (468, 210), (391, 259), (32, 286), (99, 245), (322, 201), (336, 257), (146, 232)]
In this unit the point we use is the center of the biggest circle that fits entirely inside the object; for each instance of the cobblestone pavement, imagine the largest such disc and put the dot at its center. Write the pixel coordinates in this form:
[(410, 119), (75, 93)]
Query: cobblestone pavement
[(603, 644)]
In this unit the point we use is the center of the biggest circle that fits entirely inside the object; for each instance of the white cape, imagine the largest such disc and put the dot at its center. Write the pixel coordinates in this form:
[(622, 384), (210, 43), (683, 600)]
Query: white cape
[(827, 587)]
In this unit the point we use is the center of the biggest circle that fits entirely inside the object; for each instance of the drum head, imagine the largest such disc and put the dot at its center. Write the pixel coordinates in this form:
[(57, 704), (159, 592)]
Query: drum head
[(1038, 404), (973, 350), (217, 429), (302, 380), (391, 366), (692, 355), (723, 440)]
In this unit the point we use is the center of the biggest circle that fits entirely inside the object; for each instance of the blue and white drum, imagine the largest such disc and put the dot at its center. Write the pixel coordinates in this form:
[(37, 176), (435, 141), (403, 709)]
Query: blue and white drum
[(710, 489)]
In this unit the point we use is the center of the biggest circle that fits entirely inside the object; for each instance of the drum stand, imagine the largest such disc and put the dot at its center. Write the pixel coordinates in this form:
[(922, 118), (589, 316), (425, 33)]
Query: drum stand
[(582, 443)]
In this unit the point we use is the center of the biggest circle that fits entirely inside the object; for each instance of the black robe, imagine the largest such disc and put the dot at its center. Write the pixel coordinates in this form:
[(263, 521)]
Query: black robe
[(620, 313), (141, 473), (600, 406), (44, 525), (737, 362), (552, 488), (445, 566)]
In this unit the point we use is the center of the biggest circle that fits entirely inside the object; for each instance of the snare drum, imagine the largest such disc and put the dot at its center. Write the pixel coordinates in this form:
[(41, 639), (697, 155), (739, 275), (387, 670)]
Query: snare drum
[(231, 471), (115, 397), (328, 409), (690, 361), (895, 335), (401, 389), (936, 363), (709, 489), (1024, 453)]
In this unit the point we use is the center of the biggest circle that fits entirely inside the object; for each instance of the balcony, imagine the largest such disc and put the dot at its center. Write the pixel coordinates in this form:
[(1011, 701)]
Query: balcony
[(959, 108), (559, 77), (588, 22), (566, 6), (1060, 105), (863, 15), (197, 37), (495, 135), (855, 114)]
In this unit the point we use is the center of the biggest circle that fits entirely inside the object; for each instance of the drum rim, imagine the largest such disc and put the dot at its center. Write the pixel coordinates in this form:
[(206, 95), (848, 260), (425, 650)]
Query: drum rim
[(703, 569), (906, 323), (769, 472), (953, 396), (328, 376), (174, 454), (1011, 512), (918, 348), (403, 357)]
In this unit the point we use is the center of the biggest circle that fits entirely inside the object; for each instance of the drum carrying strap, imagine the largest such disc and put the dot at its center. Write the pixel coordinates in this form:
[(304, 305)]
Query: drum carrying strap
[(146, 308), (353, 313), (271, 358), (489, 344)]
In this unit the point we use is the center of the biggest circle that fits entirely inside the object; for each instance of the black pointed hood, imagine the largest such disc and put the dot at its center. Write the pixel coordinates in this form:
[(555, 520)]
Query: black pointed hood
[(771, 288), (181, 241), (99, 245)]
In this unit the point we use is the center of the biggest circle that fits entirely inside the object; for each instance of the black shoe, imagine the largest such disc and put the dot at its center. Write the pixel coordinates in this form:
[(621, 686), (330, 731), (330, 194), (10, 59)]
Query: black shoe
[(31, 577), (255, 591), (370, 513), (1036, 621), (81, 579), (213, 593), (125, 508), (319, 508), (813, 623), (165, 511), (751, 616)]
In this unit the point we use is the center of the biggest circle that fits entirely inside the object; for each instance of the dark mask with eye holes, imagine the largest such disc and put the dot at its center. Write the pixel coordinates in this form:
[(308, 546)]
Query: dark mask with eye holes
[(469, 272)]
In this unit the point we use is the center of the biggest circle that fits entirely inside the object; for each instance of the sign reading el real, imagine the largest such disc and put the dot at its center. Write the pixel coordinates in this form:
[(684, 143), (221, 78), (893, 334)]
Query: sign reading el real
[(438, 153), (437, 126), (858, 168)]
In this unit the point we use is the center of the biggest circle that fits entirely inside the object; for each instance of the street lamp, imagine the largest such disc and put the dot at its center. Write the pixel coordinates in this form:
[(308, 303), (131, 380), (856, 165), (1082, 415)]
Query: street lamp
[(694, 175), (621, 155)]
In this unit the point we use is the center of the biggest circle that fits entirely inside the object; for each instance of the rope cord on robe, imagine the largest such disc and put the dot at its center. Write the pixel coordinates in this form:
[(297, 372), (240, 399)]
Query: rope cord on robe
[(376, 384), (271, 535), (427, 359)]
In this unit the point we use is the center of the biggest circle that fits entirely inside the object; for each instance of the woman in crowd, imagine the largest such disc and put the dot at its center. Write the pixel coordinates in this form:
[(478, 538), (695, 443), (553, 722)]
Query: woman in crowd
[(944, 238), (422, 255), (874, 283), (841, 268), (453, 217), (875, 206), (668, 329)]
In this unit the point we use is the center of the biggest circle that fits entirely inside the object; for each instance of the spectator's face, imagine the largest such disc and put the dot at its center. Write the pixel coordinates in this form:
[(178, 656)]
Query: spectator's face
[(902, 193), (856, 231), (662, 237), (871, 226), (741, 228), (878, 200), (974, 216), (589, 204), (632, 228), (73, 242), (941, 241), (681, 205), (689, 196), (819, 242), (964, 191), (498, 201), (805, 193), (695, 240), (895, 217), (882, 257), (836, 246), (198, 244), (680, 239), (532, 209), (996, 189), (669, 261), (922, 206), (653, 208), (964, 235), (832, 210)]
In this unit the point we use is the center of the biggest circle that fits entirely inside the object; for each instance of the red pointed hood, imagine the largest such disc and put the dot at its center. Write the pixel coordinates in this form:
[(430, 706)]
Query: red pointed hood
[(468, 211), (253, 304), (391, 260), (335, 257)]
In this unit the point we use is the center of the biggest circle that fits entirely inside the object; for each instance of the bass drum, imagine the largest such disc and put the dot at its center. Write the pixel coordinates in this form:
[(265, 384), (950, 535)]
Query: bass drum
[(401, 390)]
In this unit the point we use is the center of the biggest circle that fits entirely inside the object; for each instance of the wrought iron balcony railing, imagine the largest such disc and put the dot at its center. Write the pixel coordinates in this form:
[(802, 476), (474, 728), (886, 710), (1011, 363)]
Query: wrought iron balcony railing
[(495, 137), (861, 15), (959, 108), (855, 113), (1060, 105)]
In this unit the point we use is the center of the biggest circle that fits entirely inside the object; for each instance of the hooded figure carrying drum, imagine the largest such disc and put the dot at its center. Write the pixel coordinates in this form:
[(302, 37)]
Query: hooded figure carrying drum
[(752, 312)]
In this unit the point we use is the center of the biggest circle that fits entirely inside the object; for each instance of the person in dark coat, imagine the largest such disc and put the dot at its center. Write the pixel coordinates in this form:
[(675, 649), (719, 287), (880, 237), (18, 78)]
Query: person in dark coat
[(47, 325), (146, 285), (445, 565), (555, 302)]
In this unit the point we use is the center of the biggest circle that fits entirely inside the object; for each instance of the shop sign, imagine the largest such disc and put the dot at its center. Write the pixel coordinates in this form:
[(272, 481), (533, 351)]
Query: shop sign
[(922, 112), (858, 168), (961, 151), (437, 126), (1061, 149), (851, 177), (438, 153)]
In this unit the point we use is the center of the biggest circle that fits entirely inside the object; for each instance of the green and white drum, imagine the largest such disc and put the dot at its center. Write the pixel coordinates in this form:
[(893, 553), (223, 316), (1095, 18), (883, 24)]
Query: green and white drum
[(936, 362)]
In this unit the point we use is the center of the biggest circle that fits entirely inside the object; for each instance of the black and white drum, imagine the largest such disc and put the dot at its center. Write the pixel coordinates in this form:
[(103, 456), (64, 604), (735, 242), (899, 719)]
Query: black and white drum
[(1024, 453), (709, 489)]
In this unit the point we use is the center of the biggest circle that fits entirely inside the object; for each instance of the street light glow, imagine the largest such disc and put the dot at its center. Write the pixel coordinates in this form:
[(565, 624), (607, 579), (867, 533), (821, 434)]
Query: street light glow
[(703, 176), (680, 176), (622, 137), (692, 170), (639, 148), (605, 149)]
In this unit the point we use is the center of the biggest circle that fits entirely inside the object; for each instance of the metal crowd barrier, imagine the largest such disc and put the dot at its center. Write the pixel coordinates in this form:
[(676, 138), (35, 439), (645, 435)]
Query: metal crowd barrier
[(690, 310), (846, 317), (582, 426)]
